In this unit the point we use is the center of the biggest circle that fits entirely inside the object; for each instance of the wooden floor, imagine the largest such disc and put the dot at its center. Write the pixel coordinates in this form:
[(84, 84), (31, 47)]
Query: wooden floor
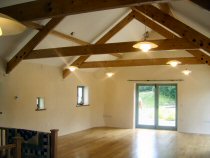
[(140, 143)]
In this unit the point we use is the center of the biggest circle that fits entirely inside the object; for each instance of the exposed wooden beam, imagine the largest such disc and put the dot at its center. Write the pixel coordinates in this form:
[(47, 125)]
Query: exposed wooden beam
[(64, 36), (68, 37), (153, 25), (176, 26), (121, 24), (42, 9), (165, 8), (203, 3), (166, 33), (116, 55), (33, 25), (122, 47), (200, 56), (27, 49), (137, 62)]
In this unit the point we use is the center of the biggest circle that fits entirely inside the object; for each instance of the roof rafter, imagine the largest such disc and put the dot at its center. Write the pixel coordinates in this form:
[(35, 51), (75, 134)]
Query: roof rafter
[(121, 24), (63, 36), (138, 62), (176, 26), (42, 9), (151, 24), (27, 49), (122, 47), (204, 3), (164, 32)]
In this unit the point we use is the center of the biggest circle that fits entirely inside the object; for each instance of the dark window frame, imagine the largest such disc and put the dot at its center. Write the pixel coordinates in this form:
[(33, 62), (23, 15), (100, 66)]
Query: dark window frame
[(82, 103), (38, 101)]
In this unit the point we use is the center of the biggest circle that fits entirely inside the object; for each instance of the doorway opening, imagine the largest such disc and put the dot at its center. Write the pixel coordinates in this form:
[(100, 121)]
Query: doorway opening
[(156, 106)]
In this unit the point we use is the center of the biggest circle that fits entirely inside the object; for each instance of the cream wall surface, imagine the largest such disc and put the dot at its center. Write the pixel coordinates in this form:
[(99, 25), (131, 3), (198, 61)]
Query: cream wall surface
[(193, 96), (111, 100), (29, 81)]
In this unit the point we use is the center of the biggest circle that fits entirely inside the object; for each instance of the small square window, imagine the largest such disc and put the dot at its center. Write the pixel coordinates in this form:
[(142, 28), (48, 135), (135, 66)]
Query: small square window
[(40, 104), (82, 96)]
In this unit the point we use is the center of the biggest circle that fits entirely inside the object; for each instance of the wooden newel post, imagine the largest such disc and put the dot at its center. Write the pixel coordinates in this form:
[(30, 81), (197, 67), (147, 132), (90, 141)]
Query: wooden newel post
[(54, 143), (18, 149)]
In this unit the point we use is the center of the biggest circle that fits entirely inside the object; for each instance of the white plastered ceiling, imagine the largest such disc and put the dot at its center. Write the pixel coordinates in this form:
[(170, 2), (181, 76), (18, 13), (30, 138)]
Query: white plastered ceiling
[(91, 26)]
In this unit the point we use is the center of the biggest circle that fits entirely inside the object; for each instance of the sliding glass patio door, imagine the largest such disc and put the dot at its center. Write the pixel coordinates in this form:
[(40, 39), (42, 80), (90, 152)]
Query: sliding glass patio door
[(156, 106), (146, 106)]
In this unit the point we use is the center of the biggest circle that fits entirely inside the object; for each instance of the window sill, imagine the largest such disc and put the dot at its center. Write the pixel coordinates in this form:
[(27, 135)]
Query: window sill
[(40, 109), (82, 105)]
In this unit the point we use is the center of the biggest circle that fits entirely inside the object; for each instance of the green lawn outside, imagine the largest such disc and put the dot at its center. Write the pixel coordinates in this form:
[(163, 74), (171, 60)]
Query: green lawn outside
[(167, 114), (148, 99)]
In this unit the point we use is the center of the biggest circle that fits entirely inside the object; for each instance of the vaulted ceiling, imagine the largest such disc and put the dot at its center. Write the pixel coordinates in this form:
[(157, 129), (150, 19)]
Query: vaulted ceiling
[(94, 27)]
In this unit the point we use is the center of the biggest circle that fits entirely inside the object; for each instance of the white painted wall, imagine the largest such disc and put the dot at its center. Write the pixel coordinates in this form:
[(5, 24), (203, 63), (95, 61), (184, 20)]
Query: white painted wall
[(29, 81), (193, 96), (111, 100)]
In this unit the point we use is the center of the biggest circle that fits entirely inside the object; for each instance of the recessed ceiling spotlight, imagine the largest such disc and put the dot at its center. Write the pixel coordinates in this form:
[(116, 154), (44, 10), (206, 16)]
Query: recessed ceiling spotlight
[(109, 74), (186, 72), (174, 63), (72, 68)]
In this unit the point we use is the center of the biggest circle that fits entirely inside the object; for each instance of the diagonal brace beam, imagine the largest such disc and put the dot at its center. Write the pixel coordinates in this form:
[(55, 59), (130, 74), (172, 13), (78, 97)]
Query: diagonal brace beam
[(176, 26), (26, 50), (103, 39)]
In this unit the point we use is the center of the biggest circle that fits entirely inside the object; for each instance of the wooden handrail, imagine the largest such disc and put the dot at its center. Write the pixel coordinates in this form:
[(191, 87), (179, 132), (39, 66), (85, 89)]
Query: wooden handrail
[(18, 149), (6, 148), (17, 146), (9, 146), (54, 143)]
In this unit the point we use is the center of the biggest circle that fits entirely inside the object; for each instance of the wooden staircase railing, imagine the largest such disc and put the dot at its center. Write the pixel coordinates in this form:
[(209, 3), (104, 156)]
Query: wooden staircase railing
[(15, 149), (54, 143), (6, 149)]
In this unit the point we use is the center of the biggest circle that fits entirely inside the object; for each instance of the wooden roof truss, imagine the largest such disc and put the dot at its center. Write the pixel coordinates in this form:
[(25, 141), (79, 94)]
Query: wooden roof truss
[(178, 34)]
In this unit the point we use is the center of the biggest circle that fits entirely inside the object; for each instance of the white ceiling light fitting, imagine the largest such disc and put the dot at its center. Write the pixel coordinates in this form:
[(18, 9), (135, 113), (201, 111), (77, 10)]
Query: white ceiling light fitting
[(173, 63), (10, 26), (186, 72), (145, 45), (72, 68), (109, 74)]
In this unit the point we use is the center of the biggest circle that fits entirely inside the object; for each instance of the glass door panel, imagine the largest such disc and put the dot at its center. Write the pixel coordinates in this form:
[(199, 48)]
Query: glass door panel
[(167, 105), (156, 106), (146, 105)]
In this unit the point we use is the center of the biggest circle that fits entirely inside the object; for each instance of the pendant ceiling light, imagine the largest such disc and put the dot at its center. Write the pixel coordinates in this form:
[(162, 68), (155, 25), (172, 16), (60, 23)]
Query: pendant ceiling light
[(10, 26), (174, 63), (145, 45)]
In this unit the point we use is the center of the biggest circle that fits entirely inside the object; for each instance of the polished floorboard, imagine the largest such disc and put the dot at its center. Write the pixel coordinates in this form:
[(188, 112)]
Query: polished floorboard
[(133, 143)]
